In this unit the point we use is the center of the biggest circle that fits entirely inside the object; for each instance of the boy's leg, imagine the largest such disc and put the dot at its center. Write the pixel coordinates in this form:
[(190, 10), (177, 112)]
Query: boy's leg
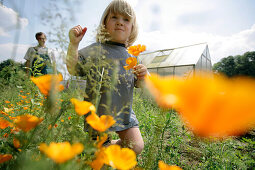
[(131, 138)]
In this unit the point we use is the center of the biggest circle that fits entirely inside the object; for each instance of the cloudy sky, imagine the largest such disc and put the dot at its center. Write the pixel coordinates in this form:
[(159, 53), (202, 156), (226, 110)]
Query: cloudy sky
[(227, 26)]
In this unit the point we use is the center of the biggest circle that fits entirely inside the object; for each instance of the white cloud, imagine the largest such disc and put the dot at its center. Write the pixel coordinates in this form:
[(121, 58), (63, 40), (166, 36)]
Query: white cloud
[(219, 46), (6, 51), (9, 20)]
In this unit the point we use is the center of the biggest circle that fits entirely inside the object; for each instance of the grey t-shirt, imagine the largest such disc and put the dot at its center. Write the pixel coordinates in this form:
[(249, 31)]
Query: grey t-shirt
[(122, 96)]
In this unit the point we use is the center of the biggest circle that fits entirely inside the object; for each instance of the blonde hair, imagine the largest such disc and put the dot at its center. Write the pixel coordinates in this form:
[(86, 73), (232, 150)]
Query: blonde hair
[(117, 7)]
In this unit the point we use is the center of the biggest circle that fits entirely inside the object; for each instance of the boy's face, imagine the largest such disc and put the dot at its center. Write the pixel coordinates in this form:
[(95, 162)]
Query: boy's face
[(41, 40), (119, 27)]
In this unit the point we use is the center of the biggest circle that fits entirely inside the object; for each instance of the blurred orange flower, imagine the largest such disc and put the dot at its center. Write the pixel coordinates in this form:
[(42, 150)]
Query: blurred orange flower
[(101, 141), (69, 117), (100, 124), (47, 82), (136, 49), (61, 152), (163, 166), (5, 157), (25, 108), (82, 107), (120, 158), (131, 62), (16, 143), (4, 123), (100, 160), (27, 122), (7, 101), (210, 106)]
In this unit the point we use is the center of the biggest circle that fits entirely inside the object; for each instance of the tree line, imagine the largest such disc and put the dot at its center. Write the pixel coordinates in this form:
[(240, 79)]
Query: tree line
[(239, 65)]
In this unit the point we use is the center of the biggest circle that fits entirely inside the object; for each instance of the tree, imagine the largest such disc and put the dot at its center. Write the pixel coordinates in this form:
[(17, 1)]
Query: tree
[(238, 65)]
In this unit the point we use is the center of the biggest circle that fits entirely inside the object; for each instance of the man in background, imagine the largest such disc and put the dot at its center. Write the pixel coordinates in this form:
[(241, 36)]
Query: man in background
[(39, 59)]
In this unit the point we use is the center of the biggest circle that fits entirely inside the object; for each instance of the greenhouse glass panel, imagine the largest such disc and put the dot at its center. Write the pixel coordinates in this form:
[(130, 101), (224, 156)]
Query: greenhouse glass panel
[(181, 70), (166, 71)]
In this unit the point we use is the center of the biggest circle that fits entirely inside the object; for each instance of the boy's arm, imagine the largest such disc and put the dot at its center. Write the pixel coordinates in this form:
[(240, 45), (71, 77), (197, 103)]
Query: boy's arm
[(75, 35)]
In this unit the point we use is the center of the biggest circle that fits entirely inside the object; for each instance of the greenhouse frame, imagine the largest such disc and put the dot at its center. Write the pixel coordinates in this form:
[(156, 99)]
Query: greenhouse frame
[(182, 61)]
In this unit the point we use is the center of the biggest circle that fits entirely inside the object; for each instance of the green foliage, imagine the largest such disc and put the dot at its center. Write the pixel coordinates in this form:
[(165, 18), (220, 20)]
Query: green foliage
[(166, 138), (237, 65), (11, 73)]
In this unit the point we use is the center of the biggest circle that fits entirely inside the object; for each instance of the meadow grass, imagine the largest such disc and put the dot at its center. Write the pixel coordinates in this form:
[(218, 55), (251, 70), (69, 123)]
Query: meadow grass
[(166, 137)]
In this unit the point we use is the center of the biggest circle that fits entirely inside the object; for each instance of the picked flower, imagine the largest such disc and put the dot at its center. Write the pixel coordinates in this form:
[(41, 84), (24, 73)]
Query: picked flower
[(82, 107), (136, 49), (61, 152), (48, 82), (163, 166), (5, 157), (100, 124), (131, 62), (210, 106), (120, 158), (27, 122), (4, 123)]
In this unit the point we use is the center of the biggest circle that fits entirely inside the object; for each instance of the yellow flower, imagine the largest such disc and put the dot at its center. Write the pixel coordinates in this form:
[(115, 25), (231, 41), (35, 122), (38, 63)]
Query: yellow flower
[(82, 107), (27, 122), (131, 62), (45, 83), (61, 152), (100, 124), (7, 110), (4, 123), (120, 158), (136, 49), (210, 106), (5, 157), (163, 166)]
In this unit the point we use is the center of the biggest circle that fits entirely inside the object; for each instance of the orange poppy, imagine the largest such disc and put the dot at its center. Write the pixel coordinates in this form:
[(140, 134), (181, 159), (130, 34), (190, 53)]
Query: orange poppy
[(101, 159), (27, 122), (61, 152), (120, 158), (131, 62), (210, 106), (82, 107), (25, 108), (16, 143), (136, 49), (101, 141), (163, 166), (69, 117), (100, 124), (47, 82), (4, 123), (5, 157)]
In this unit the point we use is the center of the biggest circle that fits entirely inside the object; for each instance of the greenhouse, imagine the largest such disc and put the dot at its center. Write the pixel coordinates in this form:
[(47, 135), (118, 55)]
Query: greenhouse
[(181, 61)]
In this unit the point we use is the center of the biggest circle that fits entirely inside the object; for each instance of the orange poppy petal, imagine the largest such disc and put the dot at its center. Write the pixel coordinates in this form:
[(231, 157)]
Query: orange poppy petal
[(61, 152), (100, 124), (120, 158), (206, 103), (163, 166), (82, 107)]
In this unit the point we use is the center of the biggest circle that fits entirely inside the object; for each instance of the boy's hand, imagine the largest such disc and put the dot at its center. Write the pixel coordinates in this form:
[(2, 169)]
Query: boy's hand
[(140, 71), (76, 34)]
